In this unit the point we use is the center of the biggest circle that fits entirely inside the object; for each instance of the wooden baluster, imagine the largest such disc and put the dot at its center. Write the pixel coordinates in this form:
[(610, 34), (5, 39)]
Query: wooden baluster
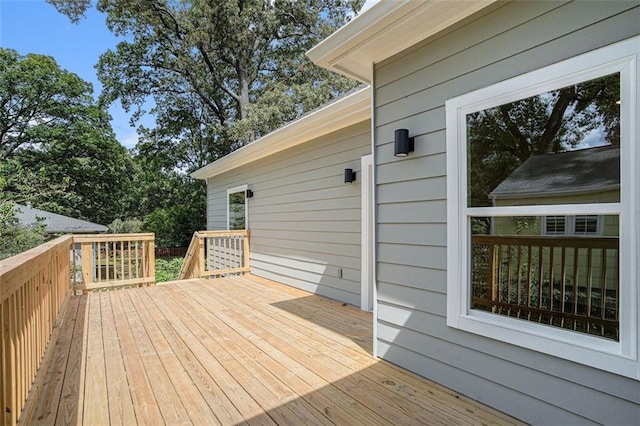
[(122, 272), (509, 248), (603, 289), (563, 281), (551, 277), (540, 280), (589, 285), (518, 294), (529, 274), (576, 254)]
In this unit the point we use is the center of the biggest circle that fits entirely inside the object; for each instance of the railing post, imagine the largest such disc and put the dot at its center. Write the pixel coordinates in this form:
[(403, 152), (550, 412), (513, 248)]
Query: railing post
[(246, 252), (201, 259), (152, 260), (9, 402), (87, 264)]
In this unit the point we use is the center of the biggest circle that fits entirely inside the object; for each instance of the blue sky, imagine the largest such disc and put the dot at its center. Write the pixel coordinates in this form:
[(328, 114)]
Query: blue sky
[(34, 26)]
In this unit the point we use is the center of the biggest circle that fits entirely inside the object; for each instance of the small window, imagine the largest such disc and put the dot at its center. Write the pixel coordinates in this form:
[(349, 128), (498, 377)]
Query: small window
[(555, 225), (585, 225), (237, 208), (579, 225)]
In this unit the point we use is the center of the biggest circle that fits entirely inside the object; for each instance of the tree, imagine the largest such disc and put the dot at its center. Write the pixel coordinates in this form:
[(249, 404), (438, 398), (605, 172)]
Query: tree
[(57, 147), (74, 9), (38, 100), (15, 238), (172, 204), (221, 73), (500, 139)]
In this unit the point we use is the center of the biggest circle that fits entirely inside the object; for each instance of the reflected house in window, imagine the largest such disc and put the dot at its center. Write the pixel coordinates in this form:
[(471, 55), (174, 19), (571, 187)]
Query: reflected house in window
[(560, 270), (590, 175)]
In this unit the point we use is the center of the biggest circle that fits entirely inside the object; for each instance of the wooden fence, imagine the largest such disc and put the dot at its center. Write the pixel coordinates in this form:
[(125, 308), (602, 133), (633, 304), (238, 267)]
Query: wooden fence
[(216, 254), (34, 286), (569, 282)]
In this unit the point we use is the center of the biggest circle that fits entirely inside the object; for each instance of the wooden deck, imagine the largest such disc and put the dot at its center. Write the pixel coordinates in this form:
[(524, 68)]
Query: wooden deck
[(239, 350)]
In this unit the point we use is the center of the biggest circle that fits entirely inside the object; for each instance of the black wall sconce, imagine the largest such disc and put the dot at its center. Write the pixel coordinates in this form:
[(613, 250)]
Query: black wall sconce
[(248, 193), (349, 175), (403, 144)]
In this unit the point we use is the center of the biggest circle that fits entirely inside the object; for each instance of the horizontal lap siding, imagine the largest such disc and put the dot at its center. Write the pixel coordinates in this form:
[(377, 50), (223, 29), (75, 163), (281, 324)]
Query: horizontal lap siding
[(304, 220), (410, 92)]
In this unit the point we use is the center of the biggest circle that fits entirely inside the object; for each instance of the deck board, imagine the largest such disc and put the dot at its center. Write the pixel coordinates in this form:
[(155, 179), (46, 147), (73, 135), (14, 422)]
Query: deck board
[(239, 350)]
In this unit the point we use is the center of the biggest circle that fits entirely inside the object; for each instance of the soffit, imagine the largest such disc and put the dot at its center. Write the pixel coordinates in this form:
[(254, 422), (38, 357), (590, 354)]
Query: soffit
[(386, 29)]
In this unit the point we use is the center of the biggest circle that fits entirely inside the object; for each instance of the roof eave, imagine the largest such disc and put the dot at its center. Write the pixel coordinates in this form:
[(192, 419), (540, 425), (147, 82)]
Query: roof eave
[(385, 29), (350, 110)]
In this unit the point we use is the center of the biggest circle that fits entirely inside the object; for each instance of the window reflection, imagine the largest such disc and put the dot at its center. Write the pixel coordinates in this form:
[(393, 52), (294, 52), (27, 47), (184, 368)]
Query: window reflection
[(559, 147), (237, 210), (558, 280)]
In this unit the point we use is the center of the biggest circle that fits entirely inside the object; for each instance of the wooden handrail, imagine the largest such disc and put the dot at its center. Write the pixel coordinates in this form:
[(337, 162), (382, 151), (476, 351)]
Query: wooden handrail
[(34, 286), (570, 282), (114, 261), (216, 253)]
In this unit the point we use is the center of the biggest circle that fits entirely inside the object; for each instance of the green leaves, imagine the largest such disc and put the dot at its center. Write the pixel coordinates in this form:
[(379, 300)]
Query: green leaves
[(57, 148), (222, 72), (38, 100)]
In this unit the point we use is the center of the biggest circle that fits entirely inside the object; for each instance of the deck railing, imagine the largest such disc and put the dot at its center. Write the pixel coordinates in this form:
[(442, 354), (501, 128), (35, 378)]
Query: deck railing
[(562, 281), (34, 286), (113, 260), (216, 253)]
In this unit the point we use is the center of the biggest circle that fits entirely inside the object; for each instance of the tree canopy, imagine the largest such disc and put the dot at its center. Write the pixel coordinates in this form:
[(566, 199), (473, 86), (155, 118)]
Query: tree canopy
[(501, 138), (57, 147), (220, 73)]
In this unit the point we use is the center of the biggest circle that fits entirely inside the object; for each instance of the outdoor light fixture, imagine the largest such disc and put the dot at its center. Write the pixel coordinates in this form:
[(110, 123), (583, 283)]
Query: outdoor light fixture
[(349, 175), (248, 193), (403, 143)]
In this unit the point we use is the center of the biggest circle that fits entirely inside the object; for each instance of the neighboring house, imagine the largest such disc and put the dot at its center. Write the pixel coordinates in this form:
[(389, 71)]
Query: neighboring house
[(582, 176), (55, 223), (431, 65)]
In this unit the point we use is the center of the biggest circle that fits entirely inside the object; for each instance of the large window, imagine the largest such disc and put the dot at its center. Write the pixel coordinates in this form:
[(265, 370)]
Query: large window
[(237, 208), (542, 184)]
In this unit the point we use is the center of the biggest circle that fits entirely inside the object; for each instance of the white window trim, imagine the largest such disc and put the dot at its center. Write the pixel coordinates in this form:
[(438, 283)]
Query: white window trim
[(241, 188), (570, 226), (617, 357)]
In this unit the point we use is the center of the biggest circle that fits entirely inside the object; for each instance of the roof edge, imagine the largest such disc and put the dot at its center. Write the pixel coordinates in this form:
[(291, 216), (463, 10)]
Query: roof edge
[(384, 30), (351, 109), (515, 195)]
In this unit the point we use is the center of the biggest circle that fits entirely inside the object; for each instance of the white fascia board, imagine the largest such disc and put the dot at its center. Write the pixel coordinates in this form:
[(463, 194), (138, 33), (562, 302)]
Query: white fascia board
[(345, 112), (387, 28)]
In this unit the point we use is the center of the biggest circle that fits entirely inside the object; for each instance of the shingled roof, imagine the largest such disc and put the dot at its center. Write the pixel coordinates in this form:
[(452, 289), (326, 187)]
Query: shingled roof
[(56, 223), (572, 172)]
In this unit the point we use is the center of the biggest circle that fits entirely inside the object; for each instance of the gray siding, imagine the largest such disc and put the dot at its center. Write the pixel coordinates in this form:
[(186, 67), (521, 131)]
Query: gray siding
[(304, 220), (410, 92)]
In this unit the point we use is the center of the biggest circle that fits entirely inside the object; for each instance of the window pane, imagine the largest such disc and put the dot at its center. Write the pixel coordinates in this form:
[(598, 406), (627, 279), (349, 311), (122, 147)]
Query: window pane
[(237, 210), (569, 282), (555, 225), (559, 147), (586, 225)]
